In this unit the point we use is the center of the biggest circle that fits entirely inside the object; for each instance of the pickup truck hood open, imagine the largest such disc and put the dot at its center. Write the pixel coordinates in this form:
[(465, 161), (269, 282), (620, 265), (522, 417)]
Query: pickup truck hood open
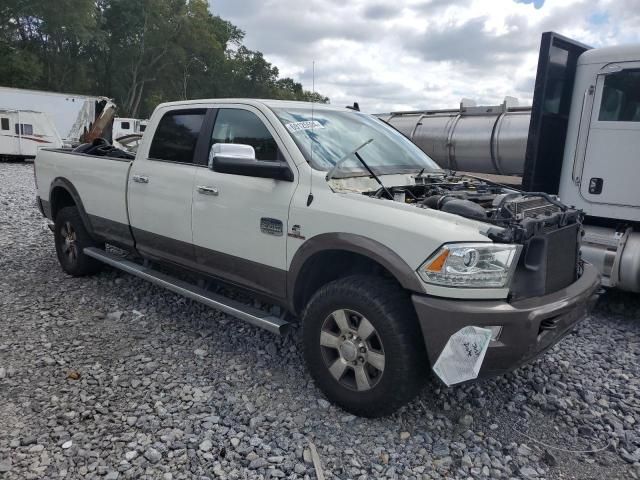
[(358, 186), (497, 211), (422, 214)]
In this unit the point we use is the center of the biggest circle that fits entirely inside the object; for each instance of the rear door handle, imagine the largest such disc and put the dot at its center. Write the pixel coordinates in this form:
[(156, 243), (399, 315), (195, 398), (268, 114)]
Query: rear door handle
[(203, 189), (140, 179)]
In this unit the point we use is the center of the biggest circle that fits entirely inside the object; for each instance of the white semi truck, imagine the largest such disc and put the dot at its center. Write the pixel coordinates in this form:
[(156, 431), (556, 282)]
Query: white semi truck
[(580, 139)]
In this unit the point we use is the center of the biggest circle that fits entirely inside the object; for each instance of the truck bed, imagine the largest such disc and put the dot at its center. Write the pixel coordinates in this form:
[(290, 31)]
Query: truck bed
[(98, 182)]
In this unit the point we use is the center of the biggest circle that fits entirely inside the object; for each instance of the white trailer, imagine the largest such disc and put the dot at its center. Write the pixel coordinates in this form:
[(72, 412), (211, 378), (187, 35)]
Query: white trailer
[(73, 115), (580, 140), (128, 126), (23, 132)]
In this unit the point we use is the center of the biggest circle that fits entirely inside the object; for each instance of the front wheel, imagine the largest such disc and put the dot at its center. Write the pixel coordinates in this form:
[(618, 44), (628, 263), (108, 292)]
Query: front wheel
[(363, 346), (71, 238)]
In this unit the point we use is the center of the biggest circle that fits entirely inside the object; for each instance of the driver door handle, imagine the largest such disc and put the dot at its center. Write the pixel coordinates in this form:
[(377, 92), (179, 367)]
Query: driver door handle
[(140, 179), (203, 189)]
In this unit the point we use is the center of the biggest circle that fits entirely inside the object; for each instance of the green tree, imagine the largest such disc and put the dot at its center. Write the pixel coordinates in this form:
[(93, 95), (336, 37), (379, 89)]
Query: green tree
[(139, 52)]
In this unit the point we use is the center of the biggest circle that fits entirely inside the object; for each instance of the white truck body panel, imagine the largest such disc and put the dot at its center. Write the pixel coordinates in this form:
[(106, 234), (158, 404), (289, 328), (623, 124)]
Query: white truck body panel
[(163, 205), (601, 149), (101, 184), (261, 198)]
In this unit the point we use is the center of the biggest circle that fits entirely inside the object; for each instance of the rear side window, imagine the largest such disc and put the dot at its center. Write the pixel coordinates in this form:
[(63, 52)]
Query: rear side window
[(244, 127), (176, 136), (125, 126), (25, 129), (4, 123), (621, 97)]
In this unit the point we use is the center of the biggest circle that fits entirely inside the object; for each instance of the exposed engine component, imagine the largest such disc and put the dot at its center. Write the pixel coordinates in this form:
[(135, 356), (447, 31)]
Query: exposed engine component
[(546, 228), (520, 214), (457, 206)]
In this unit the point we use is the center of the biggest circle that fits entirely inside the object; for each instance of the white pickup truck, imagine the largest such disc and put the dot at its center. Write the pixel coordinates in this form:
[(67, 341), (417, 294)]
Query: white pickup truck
[(334, 215)]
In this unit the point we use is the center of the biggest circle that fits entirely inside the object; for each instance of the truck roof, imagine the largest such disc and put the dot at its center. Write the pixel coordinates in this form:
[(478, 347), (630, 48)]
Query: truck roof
[(620, 53), (256, 102)]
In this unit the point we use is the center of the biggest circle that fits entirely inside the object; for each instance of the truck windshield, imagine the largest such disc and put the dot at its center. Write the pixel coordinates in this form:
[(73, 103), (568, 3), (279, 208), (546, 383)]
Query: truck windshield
[(332, 134)]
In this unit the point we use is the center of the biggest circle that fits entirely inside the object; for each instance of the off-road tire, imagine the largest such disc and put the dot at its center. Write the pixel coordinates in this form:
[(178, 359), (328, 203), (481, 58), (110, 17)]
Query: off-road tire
[(68, 223), (387, 306)]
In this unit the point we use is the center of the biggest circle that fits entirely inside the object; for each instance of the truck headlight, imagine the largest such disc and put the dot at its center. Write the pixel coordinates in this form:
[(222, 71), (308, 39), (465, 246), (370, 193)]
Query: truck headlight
[(471, 265)]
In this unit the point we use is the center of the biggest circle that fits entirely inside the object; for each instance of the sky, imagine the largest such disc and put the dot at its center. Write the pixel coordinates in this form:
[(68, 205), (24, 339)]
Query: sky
[(419, 54)]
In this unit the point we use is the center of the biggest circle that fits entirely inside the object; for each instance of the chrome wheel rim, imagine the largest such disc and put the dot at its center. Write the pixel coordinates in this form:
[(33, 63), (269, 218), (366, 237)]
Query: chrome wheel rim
[(69, 242), (352, 350)]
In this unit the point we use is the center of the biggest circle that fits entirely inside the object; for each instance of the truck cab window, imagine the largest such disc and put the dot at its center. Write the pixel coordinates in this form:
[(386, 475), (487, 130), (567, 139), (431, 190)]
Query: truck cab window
[(24, 129), (176, 136), (5, 123), (621, 97), (125, 126), (244, 127)]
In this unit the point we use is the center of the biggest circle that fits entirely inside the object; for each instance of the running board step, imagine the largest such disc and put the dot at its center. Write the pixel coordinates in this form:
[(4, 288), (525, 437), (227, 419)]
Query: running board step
[(236, 309)]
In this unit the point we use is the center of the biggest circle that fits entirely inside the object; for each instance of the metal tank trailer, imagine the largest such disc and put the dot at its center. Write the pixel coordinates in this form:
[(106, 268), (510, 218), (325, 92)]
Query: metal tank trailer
[(476, 139)]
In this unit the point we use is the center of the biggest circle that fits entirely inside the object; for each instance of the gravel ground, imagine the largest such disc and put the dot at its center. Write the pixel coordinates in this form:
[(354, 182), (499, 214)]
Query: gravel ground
[(112, 377)]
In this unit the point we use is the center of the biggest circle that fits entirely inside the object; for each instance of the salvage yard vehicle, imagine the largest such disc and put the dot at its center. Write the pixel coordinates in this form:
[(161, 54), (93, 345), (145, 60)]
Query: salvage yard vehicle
[(340, 219)]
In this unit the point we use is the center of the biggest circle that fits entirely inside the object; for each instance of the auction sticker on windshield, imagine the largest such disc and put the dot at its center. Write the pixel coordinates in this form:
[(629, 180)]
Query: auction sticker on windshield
[(306, 125)]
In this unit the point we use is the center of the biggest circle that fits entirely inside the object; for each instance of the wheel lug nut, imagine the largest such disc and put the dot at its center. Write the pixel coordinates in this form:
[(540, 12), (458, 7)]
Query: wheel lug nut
[(362, 349), (361, 359)]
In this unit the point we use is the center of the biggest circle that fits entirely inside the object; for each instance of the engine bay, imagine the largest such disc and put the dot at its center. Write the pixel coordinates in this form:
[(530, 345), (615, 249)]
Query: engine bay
[(521, 215)]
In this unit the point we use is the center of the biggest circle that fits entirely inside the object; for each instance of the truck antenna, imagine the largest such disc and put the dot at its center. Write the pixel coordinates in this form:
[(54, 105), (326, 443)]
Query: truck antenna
[(313, 95)]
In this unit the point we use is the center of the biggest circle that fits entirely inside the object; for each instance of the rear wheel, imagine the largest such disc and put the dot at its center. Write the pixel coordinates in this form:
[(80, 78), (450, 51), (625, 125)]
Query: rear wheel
[(71, 238), (363, 345)]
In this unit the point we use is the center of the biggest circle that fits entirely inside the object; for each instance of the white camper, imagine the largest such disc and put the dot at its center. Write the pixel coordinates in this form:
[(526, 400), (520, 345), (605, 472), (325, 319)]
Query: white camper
[(73, 115), (23, 132), (128, 126)]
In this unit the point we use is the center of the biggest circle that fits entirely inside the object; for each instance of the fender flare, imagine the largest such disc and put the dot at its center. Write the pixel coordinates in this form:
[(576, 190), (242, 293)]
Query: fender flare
[(65, 184), (359, 244)]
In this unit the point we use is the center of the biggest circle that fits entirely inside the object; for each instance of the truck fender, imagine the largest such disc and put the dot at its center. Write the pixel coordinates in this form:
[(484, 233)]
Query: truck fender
[(65, 184), (348, 242)]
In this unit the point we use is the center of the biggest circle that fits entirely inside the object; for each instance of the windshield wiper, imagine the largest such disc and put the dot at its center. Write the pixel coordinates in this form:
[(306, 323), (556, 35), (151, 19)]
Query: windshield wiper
[(364, 164), (339, 163)]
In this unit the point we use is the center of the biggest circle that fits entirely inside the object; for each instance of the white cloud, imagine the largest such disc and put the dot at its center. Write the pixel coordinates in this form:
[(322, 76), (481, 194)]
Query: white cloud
[(412, 54)]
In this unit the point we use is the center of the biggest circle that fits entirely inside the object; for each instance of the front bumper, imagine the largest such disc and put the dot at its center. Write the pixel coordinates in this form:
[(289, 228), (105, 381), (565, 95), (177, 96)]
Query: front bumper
[(529, 326)]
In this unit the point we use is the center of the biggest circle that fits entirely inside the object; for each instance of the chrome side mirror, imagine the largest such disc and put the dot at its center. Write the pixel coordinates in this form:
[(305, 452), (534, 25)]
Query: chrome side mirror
[(235, 151)]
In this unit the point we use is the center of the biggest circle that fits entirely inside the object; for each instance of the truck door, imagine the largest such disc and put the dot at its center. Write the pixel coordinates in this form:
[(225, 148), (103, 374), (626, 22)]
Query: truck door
[(612, 158), (161, 184), (240, 222)]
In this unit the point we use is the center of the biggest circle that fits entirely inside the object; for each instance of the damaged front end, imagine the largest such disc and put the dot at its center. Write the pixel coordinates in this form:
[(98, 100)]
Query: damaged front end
[(548, 231)]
